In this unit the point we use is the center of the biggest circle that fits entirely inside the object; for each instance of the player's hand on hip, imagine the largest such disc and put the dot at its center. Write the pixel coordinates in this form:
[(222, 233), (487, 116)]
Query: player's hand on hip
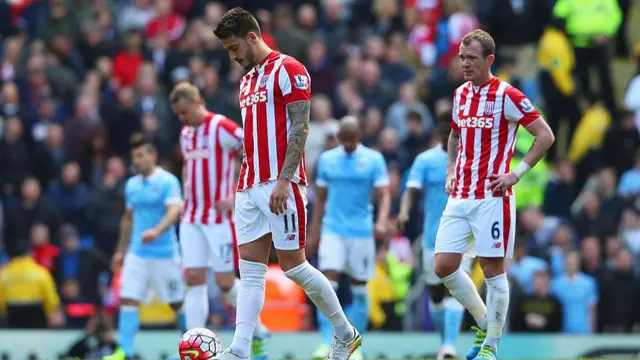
[(279, 197), (448, 186), (149, 235), (116, 261), (503, 182), (401, 221)]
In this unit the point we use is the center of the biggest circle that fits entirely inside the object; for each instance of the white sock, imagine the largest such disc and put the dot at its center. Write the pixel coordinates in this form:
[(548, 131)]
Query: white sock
[(462, 288), (497, 307), (320, 291), (250, 302), (196, 306), (232, 298)]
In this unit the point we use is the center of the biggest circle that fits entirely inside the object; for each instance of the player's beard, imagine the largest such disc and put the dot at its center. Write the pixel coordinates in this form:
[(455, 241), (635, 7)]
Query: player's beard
[(251, 58)]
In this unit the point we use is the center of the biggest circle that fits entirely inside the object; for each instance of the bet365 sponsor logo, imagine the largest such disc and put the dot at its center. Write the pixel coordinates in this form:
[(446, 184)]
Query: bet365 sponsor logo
[(480, 122), (252, 99)]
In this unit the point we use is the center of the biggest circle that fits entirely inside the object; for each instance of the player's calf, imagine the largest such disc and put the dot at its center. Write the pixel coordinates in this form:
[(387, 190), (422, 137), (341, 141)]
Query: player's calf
[(128, 326), (497, 298), (196, 304), (319, 290)]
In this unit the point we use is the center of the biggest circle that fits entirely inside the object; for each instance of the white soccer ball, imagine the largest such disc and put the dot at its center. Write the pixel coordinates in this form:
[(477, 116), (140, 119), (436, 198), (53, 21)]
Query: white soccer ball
[(199, 344)]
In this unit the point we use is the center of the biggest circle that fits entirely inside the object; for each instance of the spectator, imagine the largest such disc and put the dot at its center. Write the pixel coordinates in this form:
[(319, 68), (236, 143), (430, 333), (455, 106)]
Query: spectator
[(578, 294), (320, 67), (417, 139), (44, 253), (524, 266), (27, 209), (621, 138), (23, 308), (14, 158), (71, 196), (539, 311), (630, 181), (127, 61), (398, 113), (620, 293), (106, 206), (49, 159), (559, 193)]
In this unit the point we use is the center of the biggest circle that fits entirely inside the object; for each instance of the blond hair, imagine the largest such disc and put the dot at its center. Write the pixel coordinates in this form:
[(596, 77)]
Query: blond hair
[(485, 40), (186, 91)]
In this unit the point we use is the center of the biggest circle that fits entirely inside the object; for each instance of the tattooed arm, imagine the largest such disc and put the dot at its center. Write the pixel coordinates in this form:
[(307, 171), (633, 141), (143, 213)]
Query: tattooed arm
[(299, 113), (452, 149), (453, 145)]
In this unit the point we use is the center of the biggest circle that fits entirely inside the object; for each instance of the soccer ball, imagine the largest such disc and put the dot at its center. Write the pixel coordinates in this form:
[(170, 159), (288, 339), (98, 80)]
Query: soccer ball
[(199, 344)]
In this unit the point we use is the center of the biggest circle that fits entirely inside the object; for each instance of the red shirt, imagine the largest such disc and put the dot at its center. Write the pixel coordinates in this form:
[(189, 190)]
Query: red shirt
[(209, 150), (46, 255), (125, 68), (173, 25), (487, 118), (265, 93)]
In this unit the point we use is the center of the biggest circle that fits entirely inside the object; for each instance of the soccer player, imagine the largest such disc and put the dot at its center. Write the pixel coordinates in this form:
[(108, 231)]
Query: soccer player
[(209, 144), (486, 115), (347, 177), (428, 174), (271, 199), (147, 245)]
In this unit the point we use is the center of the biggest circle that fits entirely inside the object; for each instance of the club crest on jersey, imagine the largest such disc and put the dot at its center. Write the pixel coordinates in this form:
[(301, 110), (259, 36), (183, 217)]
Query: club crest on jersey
[(488, 107), (263, 80), (301, 82), (526, 106)]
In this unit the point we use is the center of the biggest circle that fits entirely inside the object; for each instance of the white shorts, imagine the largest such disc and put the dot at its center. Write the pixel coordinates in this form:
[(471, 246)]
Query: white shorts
[(491, 222), (429, 262), (211, 245), (139, 275), (356, 257), (254, 219)]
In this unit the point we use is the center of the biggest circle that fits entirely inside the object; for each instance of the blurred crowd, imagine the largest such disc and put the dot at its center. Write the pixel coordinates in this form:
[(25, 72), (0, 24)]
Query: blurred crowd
[(78, 78)]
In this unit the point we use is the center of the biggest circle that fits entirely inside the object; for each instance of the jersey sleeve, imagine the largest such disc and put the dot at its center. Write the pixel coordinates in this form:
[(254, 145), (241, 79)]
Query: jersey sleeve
[(294, 81), (172, 195), (518, 108), (231, 135), (415, 180), (321, 172), (381, 175)]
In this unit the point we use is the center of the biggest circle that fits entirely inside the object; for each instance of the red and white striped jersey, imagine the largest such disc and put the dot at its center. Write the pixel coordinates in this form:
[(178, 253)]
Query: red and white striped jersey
[(265, 93), (208, 151), (487, 118)]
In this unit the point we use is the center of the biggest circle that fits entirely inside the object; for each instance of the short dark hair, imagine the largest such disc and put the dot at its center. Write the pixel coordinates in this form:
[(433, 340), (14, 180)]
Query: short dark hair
[(236, 22), (484, 38), (138, 141)]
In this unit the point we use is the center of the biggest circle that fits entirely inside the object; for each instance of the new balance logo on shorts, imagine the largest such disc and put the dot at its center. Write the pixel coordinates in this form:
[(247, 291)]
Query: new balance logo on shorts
[(497, 245), (291, 237)]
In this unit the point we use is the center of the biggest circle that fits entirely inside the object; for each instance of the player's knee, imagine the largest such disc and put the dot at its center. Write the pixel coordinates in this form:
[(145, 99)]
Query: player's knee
[(491, 267), (225, 281), (443, 269), (195, 277)]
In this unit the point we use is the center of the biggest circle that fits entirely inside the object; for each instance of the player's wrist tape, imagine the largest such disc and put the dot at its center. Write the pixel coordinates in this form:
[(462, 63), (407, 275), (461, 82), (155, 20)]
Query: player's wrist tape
[(521, 169)]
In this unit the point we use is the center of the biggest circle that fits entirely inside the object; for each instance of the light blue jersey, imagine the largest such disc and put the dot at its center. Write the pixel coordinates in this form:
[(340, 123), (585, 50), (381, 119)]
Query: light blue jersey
[(147, 198), (428, 173), (350, 180)]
